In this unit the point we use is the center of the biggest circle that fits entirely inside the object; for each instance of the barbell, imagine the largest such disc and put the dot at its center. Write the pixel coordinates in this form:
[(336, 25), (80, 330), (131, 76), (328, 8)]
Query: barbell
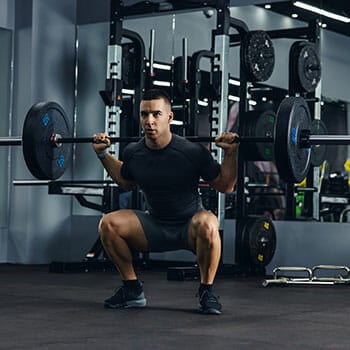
[(47, 137)]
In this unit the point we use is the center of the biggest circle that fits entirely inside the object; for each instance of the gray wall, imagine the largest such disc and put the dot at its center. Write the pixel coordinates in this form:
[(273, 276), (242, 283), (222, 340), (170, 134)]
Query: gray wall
[(308, 244), (40, 227), (7, 17)]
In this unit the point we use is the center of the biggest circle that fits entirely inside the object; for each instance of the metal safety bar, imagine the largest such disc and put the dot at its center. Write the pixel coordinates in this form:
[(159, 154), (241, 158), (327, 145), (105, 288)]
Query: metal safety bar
[(317, 275)]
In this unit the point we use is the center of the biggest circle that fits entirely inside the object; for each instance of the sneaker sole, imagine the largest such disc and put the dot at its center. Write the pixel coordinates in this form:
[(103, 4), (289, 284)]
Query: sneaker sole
[(127, 305), (210, 311)]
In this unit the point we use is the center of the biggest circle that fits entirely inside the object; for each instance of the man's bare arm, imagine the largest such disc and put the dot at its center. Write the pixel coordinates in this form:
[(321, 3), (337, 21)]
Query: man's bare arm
[(227, 178)]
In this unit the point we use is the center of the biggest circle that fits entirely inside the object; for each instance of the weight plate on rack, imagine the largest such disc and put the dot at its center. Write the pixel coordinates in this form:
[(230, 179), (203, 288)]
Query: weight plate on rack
[(265, 127), (259, 240), (257, 56), (305, 66), (259, 124)]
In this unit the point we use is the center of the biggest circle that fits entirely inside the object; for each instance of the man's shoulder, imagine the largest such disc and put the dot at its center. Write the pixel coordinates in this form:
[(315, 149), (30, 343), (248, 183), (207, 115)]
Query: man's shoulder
[(133, 147), (183, 143)]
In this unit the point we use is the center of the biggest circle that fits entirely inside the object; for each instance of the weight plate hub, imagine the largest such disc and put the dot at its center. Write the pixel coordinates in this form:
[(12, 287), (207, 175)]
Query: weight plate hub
[(257, 56), (292, 162), (259, 240), (44, 161)]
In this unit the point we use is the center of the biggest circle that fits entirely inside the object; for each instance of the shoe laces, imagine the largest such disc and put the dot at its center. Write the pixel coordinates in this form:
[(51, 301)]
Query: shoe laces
[(211, 297), (120, 291)]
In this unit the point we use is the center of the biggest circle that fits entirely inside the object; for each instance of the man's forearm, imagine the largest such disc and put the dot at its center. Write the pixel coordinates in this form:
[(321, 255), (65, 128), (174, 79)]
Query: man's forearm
[(227, 178), (229, 169)]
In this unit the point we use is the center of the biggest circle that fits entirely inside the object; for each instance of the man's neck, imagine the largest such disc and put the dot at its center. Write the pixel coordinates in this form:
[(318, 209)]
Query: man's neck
[(159, 142)]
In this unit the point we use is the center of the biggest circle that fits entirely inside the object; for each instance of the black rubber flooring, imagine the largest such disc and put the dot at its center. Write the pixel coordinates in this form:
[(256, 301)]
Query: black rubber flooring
[(43, 310)]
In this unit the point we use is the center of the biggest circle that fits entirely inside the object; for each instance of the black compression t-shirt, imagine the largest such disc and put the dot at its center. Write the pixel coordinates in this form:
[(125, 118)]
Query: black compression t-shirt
[(169, 176)]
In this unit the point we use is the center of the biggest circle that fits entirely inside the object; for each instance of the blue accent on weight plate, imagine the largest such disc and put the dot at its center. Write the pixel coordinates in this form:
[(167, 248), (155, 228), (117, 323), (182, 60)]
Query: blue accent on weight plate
[(45, 119), (60, 161), (294, 135)]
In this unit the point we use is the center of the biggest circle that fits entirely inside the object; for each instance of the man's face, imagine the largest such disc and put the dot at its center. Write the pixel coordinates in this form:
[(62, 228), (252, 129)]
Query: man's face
[(155, 117)]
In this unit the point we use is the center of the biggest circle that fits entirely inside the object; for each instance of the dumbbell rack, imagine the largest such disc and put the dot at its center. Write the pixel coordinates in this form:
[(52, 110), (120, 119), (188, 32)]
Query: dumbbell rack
[(282, 276)]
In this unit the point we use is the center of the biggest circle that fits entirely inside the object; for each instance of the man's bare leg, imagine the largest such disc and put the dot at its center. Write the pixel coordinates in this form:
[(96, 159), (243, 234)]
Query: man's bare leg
[(204, 238), (119, 231)]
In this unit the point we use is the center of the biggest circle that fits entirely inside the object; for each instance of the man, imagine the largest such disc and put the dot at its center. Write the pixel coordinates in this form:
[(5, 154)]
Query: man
[(167, 168)]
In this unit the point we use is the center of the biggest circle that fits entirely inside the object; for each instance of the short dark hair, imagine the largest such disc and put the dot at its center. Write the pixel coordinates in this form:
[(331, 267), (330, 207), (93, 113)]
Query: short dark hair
[(156, 94)]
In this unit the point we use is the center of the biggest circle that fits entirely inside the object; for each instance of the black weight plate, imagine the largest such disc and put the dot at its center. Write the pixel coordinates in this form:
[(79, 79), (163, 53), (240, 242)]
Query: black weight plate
[(264, 127), (292, 162), (259, 124), (318, 152), (257, 56), (259, 240), (44, 161), (305, 66)]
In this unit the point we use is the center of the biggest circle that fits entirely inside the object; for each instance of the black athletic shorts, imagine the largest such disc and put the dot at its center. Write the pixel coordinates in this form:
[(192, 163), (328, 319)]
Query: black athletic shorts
[(163, 235)]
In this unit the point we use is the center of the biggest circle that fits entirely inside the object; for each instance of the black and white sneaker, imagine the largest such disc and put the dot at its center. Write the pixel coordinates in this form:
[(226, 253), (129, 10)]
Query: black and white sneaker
[(209, 303), (125, 298)]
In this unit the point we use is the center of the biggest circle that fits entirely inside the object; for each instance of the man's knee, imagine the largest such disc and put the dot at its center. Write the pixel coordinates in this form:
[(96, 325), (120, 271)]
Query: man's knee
[(110, 225), (123, 225), (205, 226)]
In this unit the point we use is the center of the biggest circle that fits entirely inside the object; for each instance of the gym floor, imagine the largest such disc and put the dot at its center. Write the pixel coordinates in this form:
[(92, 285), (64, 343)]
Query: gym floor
[(43, 310)]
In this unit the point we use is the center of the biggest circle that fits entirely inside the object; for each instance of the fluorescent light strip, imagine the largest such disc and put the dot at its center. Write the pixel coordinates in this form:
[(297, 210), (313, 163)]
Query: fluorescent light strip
[(177, 122), (161, 83), (233, 98), (236, 99), (128, 91), (160, 66), (202, 103), (234, 82), (321, 12)]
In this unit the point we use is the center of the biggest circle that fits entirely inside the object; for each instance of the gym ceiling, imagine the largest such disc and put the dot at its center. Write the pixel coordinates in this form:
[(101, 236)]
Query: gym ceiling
[(339, 7)]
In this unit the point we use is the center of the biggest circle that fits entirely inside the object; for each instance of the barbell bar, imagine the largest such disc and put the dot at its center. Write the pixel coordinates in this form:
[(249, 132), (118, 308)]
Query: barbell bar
[(305, 141), (47, 135), (10, 141), (57, 139), (205, 139)]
